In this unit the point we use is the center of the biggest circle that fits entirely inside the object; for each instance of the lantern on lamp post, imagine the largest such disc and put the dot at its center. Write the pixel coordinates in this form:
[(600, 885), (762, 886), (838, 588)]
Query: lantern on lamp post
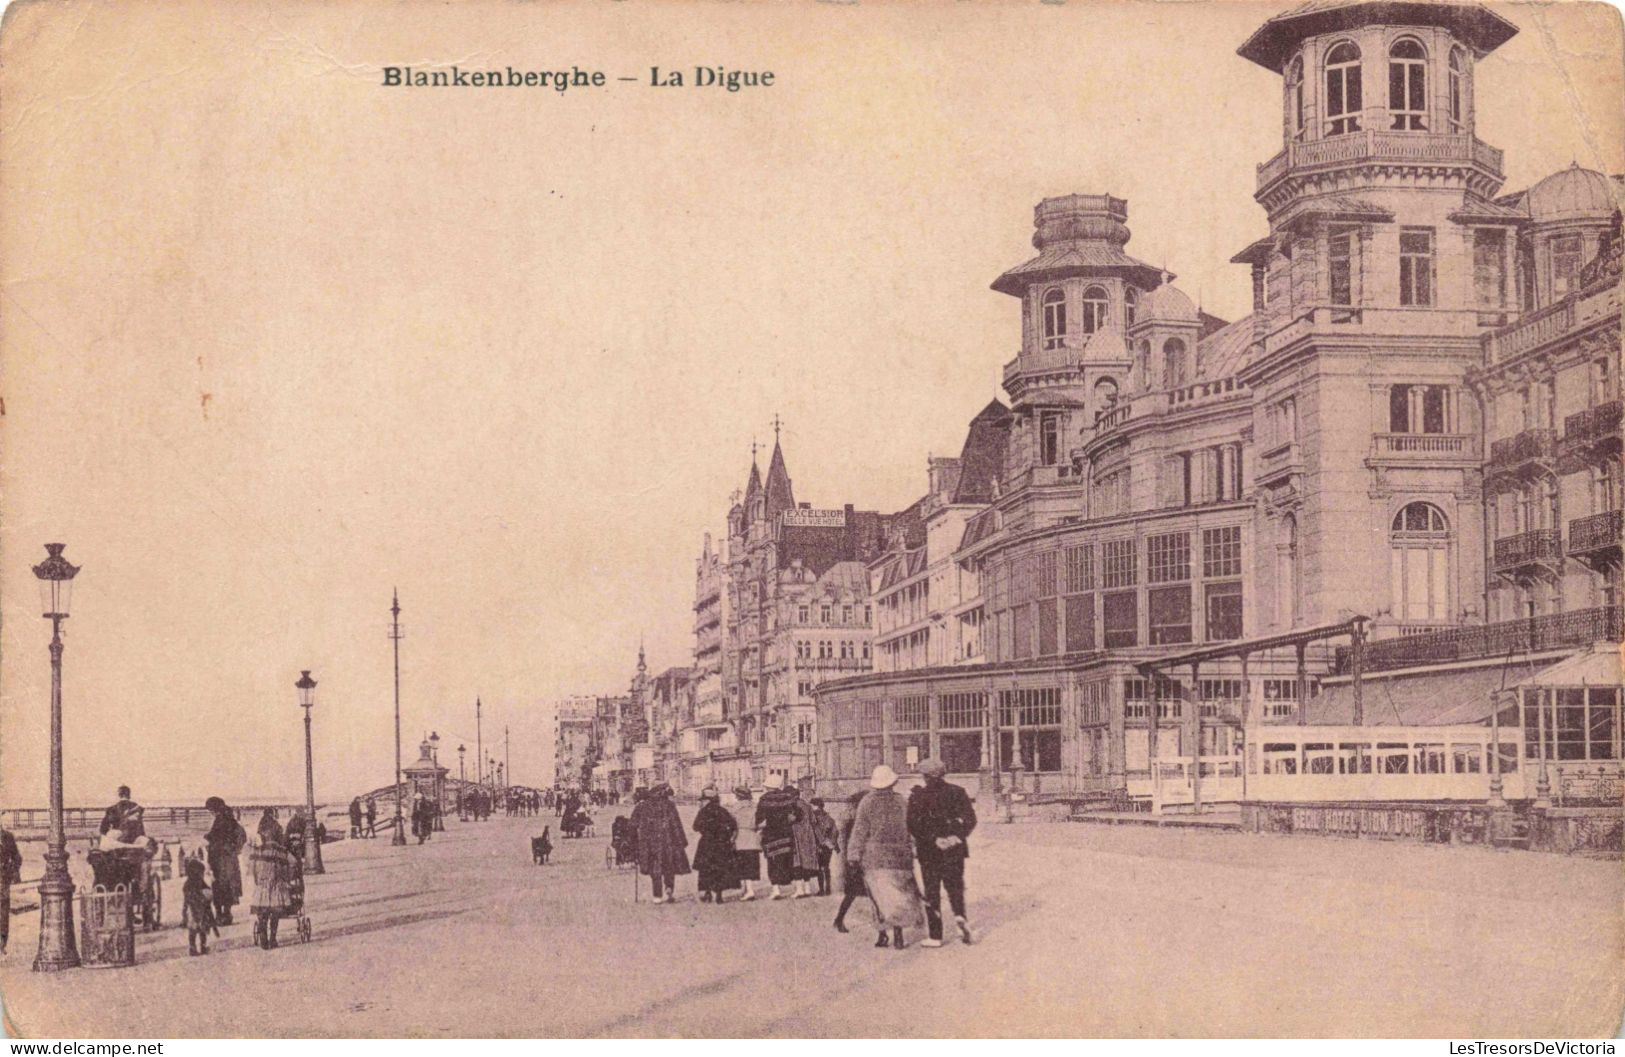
[(313, 843), (439, 786), (56, 944), (462, 787)]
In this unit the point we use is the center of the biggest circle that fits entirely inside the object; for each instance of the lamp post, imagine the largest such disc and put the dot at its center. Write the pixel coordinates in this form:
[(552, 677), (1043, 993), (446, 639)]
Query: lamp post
[(313, 845), (439, 786), (56, 945), (462, 787), (395, 637), (502, 787), (479, 746)]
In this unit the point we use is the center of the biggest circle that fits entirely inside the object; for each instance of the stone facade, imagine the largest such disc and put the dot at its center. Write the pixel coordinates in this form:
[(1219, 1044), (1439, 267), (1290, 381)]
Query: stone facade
[(1418, 424)]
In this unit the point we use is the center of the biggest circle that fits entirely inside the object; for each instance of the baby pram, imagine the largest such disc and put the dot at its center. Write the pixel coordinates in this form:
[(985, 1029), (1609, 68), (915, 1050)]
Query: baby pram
[(623, 845)]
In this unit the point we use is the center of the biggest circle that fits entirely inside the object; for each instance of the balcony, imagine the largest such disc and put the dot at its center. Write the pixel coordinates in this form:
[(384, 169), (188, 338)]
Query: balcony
[(1595, 300), (1529, 554), (1579, 628), (832, 664), (1594, 540), (1523, 455), (1590, 437), (1373, 145), (1423, 449)]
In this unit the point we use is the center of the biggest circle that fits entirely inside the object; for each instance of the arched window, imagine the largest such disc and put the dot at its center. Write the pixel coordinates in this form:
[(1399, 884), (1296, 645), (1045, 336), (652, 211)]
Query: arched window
[(1131, 305), (1054, 318), (1343, 98), (1105, 393), (1419, 549), (1173, 364), (1142, 366), (1458, 90), (1294, 97), (1094, 309), (1407, 85)]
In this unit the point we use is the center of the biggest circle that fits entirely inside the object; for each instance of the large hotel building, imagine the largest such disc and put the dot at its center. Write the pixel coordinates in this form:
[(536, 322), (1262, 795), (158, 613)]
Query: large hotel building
[(1386, 496)]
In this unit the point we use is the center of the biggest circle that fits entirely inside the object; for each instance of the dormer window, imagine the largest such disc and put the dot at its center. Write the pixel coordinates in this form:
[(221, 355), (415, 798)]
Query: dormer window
[(1054, 318), (1458, 90), (1343, 97), (1294, 97), (1131, 305), (1094, 309), (1407, 86)]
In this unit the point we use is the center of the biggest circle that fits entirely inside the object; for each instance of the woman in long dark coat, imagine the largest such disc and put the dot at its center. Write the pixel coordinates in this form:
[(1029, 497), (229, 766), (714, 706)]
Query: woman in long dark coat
[(225, 839), (714, 855), (851, 875), (776, 815), (662, 842)]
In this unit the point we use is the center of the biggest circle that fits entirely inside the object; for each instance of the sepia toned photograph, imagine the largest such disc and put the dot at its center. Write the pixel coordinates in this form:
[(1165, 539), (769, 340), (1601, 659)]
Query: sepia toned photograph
[(596, 520)]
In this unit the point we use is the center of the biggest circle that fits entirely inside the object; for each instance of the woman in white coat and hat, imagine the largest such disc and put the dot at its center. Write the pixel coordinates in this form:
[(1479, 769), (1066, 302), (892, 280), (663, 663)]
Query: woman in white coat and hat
[(882, 848)]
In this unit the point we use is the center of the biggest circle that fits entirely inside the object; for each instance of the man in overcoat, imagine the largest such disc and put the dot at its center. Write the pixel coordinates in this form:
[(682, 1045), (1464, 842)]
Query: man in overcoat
[(940, 819)]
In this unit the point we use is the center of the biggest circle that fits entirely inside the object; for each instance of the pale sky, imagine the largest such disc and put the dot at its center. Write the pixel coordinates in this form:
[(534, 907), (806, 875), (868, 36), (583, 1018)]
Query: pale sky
[(276, 338)]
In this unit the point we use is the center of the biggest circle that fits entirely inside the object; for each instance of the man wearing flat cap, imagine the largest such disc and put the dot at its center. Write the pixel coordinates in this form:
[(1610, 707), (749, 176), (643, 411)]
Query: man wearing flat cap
[(940, 819)]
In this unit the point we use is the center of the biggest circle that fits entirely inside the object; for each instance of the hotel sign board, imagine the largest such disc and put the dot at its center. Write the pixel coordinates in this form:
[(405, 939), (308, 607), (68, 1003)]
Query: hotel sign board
[(815, 518)]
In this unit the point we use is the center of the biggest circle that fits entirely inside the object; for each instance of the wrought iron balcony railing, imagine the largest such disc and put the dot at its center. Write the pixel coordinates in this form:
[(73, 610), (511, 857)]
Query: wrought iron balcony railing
[(1532, 445), (1594, 423), (1581, 627), (1597, 532), (1536, 547)]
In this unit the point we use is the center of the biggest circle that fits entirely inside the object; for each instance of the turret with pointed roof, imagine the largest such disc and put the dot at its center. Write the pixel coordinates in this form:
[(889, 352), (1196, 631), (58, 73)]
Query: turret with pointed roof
[(779, 494)]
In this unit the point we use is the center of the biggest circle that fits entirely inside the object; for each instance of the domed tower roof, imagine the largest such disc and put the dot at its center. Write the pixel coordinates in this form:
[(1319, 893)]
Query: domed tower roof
[(1166, 304), (1572, 194), (1078, 235), (1475, 25)]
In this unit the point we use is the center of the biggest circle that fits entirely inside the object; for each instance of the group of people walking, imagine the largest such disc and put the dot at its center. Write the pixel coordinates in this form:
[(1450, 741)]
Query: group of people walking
[(884, 836)]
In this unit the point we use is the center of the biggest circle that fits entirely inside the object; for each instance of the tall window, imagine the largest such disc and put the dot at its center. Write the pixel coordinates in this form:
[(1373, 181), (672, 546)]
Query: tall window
[(1142, 366), (1458, 90), (1407, 86), (1342, 245), (1419, 547), (1131, 305), (1294, 97), (1054, 318), (1049, 438), (1173, 363), (1418, 409), (1343, 101), (1565, 264), (1287, 576), (1094, 309), (1489, 267), (1416, 266)]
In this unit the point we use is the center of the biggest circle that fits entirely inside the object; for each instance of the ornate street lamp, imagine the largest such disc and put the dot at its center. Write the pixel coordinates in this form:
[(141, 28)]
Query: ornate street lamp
[(462, 787), (313, 844), (395, 637), (439, 786), (56, 945)]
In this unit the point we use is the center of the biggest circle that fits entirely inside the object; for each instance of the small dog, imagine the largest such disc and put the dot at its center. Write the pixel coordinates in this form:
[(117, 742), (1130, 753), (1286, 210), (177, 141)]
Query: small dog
[(197, 909), (541, 847)]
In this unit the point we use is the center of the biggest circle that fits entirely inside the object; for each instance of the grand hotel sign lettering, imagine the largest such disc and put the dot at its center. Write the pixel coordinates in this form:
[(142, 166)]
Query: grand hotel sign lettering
[(815, 518)]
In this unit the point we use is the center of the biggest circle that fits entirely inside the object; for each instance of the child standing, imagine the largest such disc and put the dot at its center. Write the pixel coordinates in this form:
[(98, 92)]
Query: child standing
[(197, 909)]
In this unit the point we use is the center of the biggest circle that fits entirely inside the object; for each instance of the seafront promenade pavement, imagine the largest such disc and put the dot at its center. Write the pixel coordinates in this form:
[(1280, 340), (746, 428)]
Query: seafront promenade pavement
[(1083, 930)]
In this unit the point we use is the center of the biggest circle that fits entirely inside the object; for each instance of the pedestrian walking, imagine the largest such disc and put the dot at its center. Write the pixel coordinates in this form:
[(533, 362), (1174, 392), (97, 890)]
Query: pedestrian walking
[(747, 843), (372, 817), (269, 827), (804, 834), (829, 839), (851, 873), (355, 817), (294, 835), (940, 819), (661, 842), (11, 871), (880, 845), (714, 855), (197, 909), (225, 842), (776, 815)]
